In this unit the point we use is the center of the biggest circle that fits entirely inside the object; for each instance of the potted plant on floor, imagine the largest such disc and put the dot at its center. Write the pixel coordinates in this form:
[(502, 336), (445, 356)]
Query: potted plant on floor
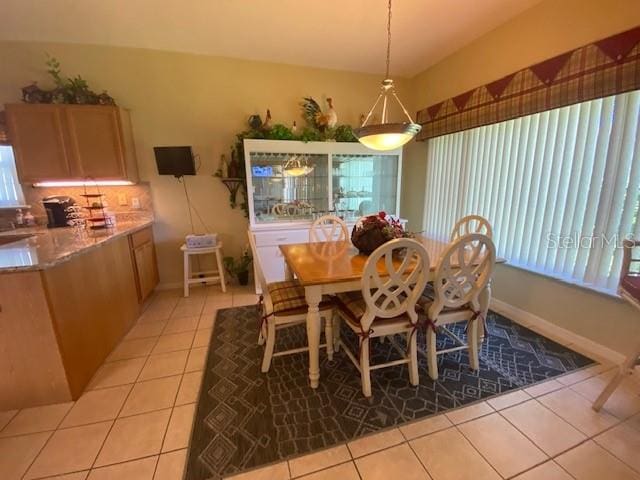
[(239, 268)]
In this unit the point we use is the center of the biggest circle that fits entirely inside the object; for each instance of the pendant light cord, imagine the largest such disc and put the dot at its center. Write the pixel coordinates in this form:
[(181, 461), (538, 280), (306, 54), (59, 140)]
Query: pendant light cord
[(388, 40)]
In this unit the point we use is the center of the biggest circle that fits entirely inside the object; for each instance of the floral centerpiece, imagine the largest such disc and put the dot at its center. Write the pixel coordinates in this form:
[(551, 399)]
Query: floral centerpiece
[(372, 231)]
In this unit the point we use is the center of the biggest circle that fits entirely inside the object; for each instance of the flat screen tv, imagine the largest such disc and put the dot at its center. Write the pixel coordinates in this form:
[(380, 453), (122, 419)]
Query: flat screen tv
[(176, 161)]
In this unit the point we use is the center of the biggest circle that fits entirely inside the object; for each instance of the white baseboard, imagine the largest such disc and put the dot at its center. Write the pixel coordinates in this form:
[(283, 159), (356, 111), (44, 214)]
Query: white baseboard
[(561, 335)]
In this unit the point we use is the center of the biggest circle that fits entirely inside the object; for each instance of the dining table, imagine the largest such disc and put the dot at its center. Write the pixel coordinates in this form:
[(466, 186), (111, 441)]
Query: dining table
[(327, 268)]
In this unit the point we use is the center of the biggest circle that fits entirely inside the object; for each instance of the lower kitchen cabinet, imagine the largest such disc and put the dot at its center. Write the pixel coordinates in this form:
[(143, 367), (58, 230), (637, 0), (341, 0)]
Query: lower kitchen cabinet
[(145, 263)]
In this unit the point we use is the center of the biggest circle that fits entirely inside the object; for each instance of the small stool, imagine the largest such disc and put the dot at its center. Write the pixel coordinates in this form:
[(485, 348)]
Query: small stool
[(191, 277)]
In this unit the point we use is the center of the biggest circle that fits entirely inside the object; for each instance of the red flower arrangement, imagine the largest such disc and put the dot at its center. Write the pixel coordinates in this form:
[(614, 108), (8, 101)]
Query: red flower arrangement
[(372, 231)]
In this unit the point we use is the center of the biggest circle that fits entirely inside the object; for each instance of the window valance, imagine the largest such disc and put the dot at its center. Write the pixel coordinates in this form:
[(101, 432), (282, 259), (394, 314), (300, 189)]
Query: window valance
[(606, 67)]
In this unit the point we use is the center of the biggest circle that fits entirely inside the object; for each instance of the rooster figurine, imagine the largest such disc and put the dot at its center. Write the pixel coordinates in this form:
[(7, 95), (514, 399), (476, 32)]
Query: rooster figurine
[(314, 115)]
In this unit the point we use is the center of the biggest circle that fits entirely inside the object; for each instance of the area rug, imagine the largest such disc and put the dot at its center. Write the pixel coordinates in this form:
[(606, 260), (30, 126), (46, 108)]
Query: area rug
[(246, 419)]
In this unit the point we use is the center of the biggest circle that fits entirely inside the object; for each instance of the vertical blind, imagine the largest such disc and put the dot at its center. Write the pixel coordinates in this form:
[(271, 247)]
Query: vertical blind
[(10, 190), (561, 188)]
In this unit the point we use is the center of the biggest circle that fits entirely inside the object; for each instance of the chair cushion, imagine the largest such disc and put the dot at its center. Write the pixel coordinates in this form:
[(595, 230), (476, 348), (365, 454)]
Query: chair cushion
[(631, 285), (288, 298)]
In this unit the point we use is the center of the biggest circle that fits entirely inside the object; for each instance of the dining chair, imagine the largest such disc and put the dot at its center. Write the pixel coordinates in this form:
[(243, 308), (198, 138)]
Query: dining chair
[(325, 228), (471, 224), (629, 290), (393, 278), (283, 305), (463, 271)]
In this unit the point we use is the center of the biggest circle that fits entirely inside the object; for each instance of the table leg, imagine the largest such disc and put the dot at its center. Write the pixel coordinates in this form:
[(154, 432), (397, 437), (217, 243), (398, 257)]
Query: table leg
[(484, 299), (313, 296)]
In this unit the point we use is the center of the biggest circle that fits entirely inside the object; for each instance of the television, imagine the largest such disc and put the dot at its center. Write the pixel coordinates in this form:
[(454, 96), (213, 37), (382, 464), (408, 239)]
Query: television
[(176, 161)]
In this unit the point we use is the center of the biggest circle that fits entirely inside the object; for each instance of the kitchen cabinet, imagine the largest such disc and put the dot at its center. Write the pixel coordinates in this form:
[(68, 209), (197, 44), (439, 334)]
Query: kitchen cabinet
[(145, 264), (71, 142)]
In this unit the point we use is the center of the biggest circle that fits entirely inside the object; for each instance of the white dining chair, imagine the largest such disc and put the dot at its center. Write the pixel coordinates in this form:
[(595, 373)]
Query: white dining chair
[(283, 305), (471, 224), (328, 228), (386, 306), (462, 273), (629, 290)]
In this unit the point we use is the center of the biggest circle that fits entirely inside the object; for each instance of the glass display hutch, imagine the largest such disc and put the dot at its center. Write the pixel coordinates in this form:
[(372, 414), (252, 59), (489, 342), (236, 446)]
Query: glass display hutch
[(292, 183)]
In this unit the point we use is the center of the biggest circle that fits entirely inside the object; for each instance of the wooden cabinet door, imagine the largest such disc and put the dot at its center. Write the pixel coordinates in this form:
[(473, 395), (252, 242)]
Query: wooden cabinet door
[(146, 266), (95, 141), (37, 133)]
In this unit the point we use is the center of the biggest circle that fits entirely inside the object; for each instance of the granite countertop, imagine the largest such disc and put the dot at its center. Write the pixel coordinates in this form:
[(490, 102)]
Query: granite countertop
[(46, 247)]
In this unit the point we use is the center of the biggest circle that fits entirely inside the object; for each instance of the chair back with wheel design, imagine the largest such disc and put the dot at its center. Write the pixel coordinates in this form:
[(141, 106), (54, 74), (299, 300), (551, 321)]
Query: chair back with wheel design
[(471, 224), (394, 290), (325, 228), (463, 271)]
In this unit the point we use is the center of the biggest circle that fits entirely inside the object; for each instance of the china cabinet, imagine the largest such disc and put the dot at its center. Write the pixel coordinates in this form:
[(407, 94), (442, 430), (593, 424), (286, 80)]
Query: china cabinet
[(292, 183)]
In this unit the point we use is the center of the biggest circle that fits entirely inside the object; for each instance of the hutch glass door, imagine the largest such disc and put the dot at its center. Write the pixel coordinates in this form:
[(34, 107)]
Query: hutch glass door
[(364, 184)]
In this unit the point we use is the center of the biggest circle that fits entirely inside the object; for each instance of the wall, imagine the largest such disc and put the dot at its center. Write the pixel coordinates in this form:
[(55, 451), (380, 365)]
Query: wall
[(550, 28), (181, 99)]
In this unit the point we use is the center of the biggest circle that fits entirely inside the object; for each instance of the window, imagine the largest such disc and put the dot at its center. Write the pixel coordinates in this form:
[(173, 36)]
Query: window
[(10, 189), (561, 188)]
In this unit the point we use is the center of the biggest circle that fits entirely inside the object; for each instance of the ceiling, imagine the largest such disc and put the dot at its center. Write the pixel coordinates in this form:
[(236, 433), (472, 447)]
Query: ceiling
[(338, 34)]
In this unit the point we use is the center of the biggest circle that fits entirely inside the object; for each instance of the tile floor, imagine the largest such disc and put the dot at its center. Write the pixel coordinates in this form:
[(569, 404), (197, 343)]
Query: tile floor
[(134, 421)]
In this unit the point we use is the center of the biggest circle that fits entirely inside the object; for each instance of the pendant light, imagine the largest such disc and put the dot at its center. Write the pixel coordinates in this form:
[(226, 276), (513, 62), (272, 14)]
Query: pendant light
[(386, 135)]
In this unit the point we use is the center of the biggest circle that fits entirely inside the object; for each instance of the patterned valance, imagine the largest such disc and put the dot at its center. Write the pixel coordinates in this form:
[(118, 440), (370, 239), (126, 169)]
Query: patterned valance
[(603, 68)]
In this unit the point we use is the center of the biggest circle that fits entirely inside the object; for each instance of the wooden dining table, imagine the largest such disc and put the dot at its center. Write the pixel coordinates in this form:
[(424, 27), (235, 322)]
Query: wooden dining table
[(331, 267)]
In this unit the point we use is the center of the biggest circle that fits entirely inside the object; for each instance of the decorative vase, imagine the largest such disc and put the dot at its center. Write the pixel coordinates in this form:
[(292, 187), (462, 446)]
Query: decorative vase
[(367, 238)]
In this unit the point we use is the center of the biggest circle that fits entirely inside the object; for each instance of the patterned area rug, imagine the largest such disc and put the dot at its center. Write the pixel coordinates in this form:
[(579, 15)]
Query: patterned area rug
[(246, 419)]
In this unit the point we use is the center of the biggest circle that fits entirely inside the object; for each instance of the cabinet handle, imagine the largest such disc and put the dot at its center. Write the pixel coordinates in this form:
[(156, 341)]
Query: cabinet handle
[(281, 239)]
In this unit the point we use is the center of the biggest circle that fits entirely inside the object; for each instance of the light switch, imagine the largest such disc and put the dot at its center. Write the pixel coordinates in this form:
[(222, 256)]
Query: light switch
[(135, 202)]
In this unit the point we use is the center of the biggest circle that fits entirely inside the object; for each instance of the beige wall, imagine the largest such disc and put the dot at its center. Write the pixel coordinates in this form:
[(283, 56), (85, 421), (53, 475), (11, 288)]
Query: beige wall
[(181, 99), (548, 29)]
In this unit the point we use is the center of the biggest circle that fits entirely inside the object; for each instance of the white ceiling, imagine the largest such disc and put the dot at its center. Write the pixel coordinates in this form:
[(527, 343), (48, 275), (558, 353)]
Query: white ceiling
[(338, 34)]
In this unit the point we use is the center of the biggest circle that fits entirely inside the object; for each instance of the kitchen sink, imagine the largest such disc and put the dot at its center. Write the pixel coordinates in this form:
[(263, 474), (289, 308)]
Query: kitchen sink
[(4, 239)]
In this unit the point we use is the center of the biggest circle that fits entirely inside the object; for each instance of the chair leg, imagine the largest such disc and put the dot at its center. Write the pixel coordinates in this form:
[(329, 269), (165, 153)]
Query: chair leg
[(268, 349), (432, 354), (412, 341), (262, 335), (328, 335), (365, 372), (625, 369), (473, 344), (336, 332)]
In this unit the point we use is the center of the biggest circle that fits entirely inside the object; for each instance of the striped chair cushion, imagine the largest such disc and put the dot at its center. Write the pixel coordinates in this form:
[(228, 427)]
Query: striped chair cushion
[(288, 298)]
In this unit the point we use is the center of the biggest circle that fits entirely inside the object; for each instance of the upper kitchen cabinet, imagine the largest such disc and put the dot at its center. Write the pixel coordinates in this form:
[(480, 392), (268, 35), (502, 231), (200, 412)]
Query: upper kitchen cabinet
[(71, 142), (37, 135)]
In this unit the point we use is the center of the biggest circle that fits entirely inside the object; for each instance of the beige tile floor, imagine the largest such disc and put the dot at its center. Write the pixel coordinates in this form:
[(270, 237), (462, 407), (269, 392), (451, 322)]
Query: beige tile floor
[(134, 421)]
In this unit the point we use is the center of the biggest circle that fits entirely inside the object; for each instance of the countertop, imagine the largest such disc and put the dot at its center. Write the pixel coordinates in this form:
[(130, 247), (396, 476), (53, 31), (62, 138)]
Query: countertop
[(47, 247)]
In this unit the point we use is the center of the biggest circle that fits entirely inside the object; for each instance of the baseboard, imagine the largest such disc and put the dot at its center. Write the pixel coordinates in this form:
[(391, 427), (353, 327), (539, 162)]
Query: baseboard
[(579, 343), (168, 286)]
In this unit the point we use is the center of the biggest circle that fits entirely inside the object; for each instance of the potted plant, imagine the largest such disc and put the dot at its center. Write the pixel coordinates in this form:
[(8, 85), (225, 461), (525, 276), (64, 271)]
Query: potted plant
[(239, 268)]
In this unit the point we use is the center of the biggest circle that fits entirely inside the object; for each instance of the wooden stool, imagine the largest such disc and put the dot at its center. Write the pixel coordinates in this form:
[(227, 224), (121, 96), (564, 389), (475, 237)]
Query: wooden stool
[(191, 277)]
